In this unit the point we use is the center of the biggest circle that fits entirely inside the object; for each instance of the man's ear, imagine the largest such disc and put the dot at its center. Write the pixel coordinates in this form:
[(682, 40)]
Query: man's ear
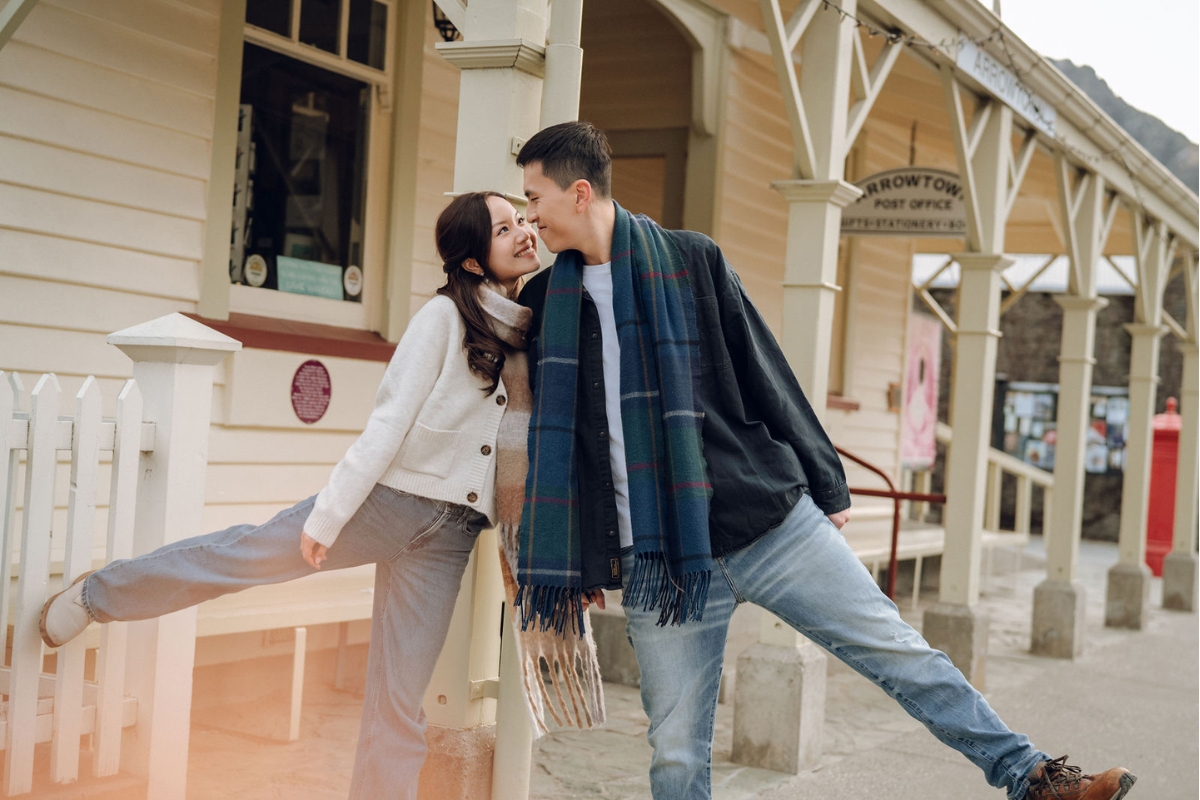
[(471, 265), (583, 195)]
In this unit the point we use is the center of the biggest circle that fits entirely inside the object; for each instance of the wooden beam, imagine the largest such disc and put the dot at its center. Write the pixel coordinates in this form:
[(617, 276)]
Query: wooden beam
[(798, 22), (789, 84), (963, 150), (874, 86), (11, 17)]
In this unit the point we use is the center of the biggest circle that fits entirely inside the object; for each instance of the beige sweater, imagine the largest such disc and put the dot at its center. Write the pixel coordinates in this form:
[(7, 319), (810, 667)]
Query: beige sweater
[(432, 433)]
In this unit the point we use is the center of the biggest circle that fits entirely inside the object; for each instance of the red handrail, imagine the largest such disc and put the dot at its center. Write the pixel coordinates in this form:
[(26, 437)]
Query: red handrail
[(896, 496)]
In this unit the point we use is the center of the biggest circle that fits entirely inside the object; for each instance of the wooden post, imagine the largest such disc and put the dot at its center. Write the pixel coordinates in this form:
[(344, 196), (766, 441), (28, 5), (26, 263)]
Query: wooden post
[(173, 360)]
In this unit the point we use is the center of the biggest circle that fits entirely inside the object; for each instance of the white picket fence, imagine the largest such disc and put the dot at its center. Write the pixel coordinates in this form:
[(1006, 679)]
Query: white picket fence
[(142, 682)]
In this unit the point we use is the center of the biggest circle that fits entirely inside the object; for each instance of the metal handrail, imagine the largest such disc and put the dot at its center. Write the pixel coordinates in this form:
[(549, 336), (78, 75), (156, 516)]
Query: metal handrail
[(896, 496)]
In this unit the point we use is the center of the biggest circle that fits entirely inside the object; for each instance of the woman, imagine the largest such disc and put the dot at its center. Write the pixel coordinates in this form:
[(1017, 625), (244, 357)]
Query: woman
[(410, 495)]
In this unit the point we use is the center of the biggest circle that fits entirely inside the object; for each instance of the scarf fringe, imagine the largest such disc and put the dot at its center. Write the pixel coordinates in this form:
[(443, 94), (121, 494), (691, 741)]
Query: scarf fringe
[(651, 586), (551, 661), (550, 607)]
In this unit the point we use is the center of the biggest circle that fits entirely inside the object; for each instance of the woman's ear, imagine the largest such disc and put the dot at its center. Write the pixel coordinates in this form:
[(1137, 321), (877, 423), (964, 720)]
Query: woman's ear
[(472, 266)]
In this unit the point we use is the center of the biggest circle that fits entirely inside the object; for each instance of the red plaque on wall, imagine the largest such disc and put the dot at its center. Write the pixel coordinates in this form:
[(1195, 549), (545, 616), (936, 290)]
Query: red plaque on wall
[(311, 389)]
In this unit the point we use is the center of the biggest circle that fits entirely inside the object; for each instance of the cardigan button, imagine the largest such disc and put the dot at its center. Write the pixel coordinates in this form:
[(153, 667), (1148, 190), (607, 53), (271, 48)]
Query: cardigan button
[(486, 450), (472, 497), (501, 400)]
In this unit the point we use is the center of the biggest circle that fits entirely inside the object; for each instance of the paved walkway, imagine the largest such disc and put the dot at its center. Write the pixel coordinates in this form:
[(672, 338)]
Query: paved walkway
[(1132, 699)]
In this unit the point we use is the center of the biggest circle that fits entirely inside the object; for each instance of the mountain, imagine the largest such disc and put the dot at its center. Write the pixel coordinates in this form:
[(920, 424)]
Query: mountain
[(1169, 146)]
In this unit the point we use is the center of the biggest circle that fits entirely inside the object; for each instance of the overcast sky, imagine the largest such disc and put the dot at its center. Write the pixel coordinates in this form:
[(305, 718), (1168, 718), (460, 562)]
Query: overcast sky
[(1148, 51)]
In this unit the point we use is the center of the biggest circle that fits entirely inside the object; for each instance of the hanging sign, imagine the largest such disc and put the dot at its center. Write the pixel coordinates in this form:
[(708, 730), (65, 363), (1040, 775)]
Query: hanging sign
[(914, 201), (1004, 84), (311, 390)]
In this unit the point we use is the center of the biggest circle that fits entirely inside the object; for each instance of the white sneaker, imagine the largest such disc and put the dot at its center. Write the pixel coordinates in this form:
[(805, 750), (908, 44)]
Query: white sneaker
[(63, 616)]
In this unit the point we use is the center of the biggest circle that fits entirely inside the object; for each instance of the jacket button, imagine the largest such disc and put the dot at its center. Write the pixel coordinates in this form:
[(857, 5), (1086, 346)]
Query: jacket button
[(595, 336), (612, 533), (603, 434), (486, 450), (501, 400), (472, 497)]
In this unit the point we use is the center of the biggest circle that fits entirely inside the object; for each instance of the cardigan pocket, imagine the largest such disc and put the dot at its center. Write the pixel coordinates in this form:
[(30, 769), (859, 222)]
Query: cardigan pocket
[(429, 451)]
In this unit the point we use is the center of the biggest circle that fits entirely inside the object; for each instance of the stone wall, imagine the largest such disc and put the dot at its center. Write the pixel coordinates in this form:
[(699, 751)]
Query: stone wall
[(1029, 351)]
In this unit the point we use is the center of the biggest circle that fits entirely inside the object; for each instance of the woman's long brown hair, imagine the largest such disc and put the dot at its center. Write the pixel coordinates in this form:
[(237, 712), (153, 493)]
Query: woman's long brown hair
[(464, 231)]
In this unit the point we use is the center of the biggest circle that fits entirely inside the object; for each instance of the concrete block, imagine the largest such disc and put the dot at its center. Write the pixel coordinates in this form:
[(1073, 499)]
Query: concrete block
[(1058, 619), (459, 764), (618, 663), (1180, 581), (961, 632), (779, 707), (1127, 600)]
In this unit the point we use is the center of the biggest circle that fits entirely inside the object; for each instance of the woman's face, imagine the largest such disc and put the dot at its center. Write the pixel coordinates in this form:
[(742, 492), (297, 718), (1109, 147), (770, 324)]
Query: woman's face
[(514, 244)]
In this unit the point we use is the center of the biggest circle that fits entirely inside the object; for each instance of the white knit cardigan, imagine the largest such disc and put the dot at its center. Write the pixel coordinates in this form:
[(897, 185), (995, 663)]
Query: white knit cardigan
[(433, 430)]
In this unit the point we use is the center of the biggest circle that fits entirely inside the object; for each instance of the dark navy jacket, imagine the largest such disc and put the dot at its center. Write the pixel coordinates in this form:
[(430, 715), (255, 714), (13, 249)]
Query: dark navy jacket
[(763, 444)]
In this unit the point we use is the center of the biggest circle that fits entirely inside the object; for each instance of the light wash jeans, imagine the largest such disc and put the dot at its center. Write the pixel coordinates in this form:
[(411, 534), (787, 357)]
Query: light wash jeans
[(804, 572), (419, 547)]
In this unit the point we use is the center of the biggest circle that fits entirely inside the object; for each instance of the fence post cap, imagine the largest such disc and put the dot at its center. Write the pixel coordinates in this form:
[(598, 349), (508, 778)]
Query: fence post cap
[(174, 339)]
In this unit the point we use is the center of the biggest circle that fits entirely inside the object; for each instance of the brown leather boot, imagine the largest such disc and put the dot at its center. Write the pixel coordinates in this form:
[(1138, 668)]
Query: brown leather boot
[(1058, 780)]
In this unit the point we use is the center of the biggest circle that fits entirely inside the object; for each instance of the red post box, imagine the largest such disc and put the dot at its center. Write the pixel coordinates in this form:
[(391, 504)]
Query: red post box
[(1160, 520)]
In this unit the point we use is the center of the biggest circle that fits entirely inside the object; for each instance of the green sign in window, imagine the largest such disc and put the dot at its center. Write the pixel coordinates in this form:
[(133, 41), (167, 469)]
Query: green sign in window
[(298, 276)]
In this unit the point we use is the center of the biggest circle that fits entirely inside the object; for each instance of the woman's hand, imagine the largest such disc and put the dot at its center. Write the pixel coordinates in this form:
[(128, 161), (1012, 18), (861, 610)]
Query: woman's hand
[(312, 550)]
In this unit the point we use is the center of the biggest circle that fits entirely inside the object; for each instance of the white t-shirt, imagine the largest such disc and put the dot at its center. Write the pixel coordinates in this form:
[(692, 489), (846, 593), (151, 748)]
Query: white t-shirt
[(598, 282)]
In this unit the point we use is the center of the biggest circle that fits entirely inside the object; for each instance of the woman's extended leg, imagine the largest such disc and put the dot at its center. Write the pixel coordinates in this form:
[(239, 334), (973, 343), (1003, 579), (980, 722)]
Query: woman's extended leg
[(190, 571), (415, 594)]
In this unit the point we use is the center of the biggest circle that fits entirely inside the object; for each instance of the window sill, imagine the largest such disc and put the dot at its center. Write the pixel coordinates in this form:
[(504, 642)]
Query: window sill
[(840, 403), (288, 336), (250, 301)]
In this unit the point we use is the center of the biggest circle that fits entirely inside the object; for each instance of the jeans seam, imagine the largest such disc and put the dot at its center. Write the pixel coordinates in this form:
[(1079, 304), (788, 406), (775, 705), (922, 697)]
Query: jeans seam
[(423, 534), (371, 709), (737, 596)]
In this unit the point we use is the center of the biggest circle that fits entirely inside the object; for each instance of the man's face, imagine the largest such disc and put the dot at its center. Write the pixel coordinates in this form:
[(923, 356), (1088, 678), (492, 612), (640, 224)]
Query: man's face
[(553, 210)]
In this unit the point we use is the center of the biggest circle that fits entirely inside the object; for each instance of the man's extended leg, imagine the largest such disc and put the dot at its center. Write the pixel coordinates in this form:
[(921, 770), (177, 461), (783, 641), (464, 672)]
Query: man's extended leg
[(681, 679), (805, 573)]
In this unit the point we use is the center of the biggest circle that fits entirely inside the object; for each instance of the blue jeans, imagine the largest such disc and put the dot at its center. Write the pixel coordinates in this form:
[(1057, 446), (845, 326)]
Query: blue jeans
[(420, 549), (804, 572)]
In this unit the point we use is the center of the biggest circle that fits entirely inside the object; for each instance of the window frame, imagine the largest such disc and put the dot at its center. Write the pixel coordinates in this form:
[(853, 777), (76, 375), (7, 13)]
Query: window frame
[(219, 296)]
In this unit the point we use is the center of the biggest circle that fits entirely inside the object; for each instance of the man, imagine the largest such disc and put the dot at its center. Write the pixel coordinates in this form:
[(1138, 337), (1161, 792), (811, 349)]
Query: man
[(673, 454)]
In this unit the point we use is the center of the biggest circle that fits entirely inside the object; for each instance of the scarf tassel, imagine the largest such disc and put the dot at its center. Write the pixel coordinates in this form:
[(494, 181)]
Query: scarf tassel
[(651, 586), (550, 607)]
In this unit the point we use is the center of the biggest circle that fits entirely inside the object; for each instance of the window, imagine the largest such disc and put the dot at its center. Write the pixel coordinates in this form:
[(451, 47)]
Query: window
[(298, 196), (309, 73)]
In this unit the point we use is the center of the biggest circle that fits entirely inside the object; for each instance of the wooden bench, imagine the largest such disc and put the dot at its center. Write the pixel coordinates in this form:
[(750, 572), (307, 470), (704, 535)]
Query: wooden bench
[(337, 596)]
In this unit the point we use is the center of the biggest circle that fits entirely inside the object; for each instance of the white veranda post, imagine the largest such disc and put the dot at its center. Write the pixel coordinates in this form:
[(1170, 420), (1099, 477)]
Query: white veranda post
[(1179, 568), (827, 102), (502, 58), (1087, 211)]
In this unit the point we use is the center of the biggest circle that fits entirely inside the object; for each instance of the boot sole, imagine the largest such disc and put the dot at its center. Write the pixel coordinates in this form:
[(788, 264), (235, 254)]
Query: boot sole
[(1127, 782), (46, 610)]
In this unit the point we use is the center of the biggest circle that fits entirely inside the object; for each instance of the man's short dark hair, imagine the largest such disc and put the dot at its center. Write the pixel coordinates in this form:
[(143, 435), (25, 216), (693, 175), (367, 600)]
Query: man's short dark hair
[(570, 151)]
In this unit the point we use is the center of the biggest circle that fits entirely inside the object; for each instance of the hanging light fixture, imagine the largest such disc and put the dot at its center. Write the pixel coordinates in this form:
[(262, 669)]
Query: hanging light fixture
[(444, 26)]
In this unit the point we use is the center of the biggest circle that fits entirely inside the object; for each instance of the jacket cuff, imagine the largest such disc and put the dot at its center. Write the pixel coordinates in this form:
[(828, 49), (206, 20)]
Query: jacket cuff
[(323, 529), (830, 501)]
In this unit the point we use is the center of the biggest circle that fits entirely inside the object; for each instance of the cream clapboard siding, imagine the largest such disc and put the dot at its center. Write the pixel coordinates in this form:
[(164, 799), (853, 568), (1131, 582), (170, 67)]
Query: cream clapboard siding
[(105, 130), (106, 114), (637, 68), (753, 226), (435, 171)]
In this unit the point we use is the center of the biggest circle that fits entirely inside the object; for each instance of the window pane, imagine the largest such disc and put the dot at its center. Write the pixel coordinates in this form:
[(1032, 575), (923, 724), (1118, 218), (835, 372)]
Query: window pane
[(304, 178), (274, 15), (368, 32), (319, 23)]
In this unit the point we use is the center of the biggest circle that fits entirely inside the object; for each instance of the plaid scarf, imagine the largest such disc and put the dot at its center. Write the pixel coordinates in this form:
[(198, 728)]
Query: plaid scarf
[(572, 672), (662, 417)]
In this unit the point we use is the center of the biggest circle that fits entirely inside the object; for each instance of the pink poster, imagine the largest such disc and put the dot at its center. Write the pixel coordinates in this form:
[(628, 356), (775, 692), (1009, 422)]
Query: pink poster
[(918, 424)]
